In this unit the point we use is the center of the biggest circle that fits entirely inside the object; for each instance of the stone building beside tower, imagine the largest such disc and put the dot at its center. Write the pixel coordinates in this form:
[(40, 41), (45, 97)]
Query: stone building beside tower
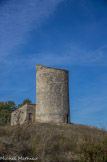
[(52, 98)]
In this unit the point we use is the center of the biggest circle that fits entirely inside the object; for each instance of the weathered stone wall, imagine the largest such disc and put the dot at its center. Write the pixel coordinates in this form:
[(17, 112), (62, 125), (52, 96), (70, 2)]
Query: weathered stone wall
[(52, 95), (21, 115)]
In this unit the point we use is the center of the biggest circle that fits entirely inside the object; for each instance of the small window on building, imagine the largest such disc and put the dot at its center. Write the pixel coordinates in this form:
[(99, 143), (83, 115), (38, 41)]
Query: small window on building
[(30, 116)]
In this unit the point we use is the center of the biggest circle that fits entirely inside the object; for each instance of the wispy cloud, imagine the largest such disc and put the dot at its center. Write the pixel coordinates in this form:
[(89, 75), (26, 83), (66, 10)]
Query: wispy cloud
[(17, 18), (73, 55)]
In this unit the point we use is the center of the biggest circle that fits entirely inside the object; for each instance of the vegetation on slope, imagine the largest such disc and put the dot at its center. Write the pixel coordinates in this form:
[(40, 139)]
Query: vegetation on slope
[(7, 107), (54, 142)]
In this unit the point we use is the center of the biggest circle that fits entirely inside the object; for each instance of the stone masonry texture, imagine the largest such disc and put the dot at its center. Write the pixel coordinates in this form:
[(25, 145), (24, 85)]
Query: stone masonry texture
[(21, 115), (52, 95)]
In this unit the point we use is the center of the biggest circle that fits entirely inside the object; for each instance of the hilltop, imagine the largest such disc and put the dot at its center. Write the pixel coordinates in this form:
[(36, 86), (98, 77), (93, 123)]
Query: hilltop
[(54, 142)]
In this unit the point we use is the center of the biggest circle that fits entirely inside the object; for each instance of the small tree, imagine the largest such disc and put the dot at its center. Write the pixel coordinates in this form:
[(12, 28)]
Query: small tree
[(5, 111), (26, 101)]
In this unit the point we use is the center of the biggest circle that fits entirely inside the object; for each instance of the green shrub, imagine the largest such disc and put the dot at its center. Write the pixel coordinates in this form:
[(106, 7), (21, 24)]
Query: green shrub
[(94, 152)]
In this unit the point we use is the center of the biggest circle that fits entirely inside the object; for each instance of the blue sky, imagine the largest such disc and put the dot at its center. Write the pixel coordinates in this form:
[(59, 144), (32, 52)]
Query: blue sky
[(70, 34)]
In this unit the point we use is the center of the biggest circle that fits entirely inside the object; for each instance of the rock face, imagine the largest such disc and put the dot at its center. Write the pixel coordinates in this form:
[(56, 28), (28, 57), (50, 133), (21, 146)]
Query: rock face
[(52, 95)]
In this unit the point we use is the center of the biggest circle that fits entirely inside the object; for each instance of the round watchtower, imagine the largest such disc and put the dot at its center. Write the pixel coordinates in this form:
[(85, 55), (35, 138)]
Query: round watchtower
[(52, 95)]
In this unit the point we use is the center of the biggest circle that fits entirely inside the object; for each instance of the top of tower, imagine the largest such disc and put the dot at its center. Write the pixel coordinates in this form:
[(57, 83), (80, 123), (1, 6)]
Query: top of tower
[(42, 66)]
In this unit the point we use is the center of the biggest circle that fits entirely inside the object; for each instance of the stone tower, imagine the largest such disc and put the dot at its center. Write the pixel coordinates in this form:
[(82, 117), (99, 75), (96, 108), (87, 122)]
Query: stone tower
[(52, 95)]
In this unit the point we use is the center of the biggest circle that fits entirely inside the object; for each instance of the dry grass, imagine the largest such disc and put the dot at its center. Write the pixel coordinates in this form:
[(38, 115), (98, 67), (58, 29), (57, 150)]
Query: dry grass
[(54, 143)]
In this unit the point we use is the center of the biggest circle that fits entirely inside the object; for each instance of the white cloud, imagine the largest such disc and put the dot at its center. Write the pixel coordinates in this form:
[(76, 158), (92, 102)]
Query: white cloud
[(74, 55), (18, 17)]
